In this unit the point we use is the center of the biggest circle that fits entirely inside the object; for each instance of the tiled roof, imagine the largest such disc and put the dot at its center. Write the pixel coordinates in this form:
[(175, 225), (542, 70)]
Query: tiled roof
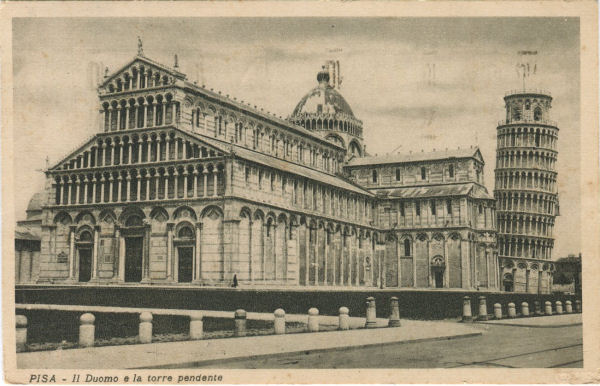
[(24, 233), (283, 165), (472, 189), (414, 157)]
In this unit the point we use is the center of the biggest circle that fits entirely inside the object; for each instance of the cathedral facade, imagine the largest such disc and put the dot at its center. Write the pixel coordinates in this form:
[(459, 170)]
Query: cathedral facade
[(184, 186)]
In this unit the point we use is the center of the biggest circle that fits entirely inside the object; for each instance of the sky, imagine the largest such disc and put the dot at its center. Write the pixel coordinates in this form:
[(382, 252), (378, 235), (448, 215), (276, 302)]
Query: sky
[(416, 83)]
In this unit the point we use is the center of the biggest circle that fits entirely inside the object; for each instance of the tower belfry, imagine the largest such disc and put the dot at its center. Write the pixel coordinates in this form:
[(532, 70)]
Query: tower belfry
[(527, 67)]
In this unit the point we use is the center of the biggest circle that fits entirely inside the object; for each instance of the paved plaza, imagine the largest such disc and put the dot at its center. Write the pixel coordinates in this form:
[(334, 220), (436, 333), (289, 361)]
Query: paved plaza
[(499, 346)]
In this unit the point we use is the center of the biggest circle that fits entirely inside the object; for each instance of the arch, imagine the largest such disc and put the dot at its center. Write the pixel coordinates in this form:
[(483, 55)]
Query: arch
[(211, 211), (438, 261), (245, 212), (130, 211), (85, 234), (336, 139), (85, 216), (63, 218), (159, 214), (355, 148), (184, 230), (259, 215), (184, 211)]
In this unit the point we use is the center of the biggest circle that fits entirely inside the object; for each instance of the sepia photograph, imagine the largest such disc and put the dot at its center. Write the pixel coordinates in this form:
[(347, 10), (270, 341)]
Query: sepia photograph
[(296, 192)]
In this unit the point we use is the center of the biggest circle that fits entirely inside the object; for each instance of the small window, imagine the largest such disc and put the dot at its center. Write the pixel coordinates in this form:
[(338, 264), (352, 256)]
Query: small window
[(260, 177), (537, 114), (423, 173), (406, 247), (480, 209), (247, 176), (451, 171), (374, 176), (283, 183), (418, 208), (433, 208), (397, 174), (272, 181), (401, 208), (527, 105), (449, 207)]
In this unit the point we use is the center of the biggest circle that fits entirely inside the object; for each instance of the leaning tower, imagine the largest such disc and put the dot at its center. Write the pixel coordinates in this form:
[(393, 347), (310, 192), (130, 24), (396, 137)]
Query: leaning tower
[(526, 191)]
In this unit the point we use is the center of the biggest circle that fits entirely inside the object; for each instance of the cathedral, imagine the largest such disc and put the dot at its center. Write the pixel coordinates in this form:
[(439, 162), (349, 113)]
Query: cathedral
[(185, 186)]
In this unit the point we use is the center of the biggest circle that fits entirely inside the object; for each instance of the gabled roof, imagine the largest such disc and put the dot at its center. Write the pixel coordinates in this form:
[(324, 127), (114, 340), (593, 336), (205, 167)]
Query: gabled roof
[(287, 166), (469, 189), (147, 62), (417, 157)]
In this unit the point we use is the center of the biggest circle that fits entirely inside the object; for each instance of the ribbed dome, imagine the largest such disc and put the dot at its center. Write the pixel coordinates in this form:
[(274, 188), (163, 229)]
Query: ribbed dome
[(323, 99)]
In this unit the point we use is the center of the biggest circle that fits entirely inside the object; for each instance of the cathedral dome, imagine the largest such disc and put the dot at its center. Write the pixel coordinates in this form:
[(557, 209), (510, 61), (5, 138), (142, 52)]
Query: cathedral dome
[(323, 99)]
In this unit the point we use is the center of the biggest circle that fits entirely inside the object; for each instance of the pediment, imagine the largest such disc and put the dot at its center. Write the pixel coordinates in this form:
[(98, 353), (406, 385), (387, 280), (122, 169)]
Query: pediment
[(80, 151), (207, 147), (161, 74), (477, 155)]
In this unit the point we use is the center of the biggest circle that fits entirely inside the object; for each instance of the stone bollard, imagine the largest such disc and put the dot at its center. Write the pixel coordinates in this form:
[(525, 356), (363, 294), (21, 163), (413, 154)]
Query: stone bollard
[(497, 311), (482, 315), (344, 323), (467, 315), (240, 322), (145, 330), (559, 307), (538, 307), (578, 307), (313, 320), (394, 313), (548, 308), (525, 309), (86, 330), (279, 323), (568, 307), (196, 325), (512, 310), (371, 313), (21, 335)]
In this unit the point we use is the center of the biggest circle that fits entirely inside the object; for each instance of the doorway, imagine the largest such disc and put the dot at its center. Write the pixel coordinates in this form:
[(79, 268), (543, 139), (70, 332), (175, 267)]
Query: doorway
[(439, 278), (133, 259), (185, 264), (85, 264)]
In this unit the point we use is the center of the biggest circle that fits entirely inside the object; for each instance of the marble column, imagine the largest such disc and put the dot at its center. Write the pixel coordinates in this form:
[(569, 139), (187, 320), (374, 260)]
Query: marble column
[(198, 253), (170, 274), (121, 255), (95, 257), (72, 252)]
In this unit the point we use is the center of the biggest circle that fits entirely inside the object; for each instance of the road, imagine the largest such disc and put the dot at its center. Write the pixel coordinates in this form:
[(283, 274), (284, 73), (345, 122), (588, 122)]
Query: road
[(499, 347)]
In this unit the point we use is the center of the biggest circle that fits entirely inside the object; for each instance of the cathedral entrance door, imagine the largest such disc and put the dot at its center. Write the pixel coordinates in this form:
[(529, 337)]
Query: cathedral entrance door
[(185, 264), (85, 264), (133, 259)]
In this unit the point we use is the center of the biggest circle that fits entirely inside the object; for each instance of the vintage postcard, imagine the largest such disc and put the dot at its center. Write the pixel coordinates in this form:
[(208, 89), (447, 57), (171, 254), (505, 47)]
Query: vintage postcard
[(300, 192)]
